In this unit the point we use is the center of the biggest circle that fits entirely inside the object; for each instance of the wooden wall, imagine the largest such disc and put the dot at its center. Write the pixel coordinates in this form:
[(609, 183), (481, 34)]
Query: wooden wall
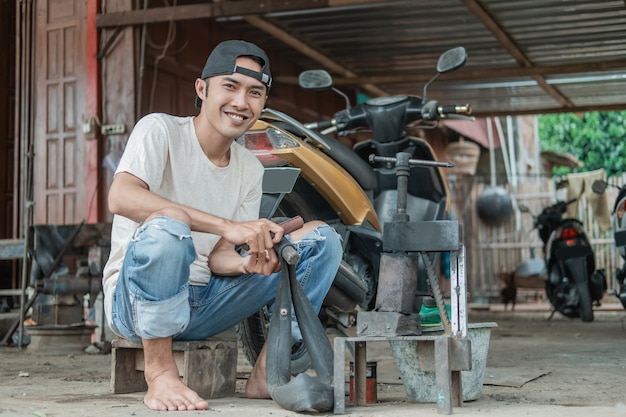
[(8, 224), (60, 161), (7, 118), (175, 55)]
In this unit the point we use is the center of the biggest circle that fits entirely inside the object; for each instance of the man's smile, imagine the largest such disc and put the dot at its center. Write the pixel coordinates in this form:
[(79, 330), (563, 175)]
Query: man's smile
[(236, 116)]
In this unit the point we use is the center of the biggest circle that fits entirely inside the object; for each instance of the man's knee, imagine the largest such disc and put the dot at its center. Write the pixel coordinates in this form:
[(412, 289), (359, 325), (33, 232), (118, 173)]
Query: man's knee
[(307, 228), (164, 237), (171, 212)]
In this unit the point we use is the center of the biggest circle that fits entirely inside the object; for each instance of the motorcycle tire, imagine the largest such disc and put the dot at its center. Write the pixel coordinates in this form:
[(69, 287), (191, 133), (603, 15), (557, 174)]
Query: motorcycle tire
[(583, 307), (585, 304), (552, 292)]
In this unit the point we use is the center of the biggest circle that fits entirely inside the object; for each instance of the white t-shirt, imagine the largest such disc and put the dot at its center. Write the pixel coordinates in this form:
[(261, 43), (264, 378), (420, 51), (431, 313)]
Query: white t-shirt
[(164, 152)]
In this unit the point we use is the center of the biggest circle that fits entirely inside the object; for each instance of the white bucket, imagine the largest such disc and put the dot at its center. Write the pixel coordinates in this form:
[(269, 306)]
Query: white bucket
[(420, 385)]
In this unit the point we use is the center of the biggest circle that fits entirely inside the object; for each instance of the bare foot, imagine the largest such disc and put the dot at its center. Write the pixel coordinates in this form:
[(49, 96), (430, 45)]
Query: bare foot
[(166, 392), (256, 387)]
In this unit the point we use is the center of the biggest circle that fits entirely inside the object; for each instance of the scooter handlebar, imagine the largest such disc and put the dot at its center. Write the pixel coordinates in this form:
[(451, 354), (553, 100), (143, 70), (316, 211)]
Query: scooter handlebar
[(324, 124), (454, 109), (414, 109), (431, 110)]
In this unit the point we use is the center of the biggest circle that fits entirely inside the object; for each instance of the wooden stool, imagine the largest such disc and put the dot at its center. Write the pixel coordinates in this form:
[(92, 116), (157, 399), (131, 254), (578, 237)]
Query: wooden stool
[(209, 367)]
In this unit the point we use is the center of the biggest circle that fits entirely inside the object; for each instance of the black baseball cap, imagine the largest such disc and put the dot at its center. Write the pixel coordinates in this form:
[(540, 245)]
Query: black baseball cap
[(222, 62)]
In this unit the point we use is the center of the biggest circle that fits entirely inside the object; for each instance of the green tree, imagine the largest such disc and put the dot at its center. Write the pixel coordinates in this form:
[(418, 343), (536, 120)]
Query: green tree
[(597, 139)]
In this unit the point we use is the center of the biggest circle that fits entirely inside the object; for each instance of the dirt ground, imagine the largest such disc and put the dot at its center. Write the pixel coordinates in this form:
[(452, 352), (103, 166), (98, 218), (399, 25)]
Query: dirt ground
[(535, 367)]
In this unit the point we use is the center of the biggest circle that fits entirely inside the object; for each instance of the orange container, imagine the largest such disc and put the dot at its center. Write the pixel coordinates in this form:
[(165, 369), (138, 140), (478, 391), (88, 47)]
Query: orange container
[(371, 393)]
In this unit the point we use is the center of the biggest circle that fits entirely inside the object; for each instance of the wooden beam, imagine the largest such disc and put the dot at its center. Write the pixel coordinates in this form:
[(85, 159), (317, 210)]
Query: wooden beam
[(304, 49), (339, 3), (551, 110), (509, 44), (499, 34), (553, 91), (214, 10), (297, 45), (476, 74), (203, 11)]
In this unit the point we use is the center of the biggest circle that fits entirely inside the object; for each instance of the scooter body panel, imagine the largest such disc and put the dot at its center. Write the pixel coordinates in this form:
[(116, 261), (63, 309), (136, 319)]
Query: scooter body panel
[(330, 179), (619, 223), (619, 235), (576, 244), (424, 182), (334, 184)]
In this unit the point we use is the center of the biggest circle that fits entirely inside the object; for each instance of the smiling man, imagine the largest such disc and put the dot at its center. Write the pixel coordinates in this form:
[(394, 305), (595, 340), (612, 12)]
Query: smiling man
[(183, 196)]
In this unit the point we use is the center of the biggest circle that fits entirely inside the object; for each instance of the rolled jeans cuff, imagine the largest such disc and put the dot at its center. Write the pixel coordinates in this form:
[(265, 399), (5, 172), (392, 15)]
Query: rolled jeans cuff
[(163, 318)]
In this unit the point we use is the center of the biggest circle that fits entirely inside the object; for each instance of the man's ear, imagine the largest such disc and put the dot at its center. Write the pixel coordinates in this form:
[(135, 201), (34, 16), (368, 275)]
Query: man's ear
[(201, 88)]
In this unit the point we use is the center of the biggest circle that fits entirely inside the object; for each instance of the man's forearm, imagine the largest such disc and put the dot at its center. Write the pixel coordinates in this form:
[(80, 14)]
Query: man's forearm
[(226, 262), (130, 197)]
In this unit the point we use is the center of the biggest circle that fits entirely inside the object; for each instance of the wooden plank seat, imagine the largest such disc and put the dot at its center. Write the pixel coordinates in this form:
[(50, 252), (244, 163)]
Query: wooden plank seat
[(209, 367)]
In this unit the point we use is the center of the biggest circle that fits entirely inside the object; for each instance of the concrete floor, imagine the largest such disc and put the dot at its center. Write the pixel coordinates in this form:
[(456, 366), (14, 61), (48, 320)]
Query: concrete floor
[(535, 367)]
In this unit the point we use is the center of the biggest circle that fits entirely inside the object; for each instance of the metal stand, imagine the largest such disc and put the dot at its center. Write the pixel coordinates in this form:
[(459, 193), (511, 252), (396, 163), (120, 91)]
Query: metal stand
[(403, 240), (447, 354)]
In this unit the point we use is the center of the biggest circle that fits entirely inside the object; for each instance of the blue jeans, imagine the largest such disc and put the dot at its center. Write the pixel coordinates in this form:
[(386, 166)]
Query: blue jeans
[(153, 297)]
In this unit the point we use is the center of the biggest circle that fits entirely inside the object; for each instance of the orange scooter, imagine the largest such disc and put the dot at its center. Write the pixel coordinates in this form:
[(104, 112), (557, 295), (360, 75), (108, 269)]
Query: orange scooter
[(379, 184)]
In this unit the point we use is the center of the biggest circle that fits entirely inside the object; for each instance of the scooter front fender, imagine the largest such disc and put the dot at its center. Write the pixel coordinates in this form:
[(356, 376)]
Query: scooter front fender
[(334, 183)]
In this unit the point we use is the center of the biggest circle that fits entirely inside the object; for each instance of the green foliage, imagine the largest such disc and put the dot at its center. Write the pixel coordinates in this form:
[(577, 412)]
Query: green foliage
[(598, 139)]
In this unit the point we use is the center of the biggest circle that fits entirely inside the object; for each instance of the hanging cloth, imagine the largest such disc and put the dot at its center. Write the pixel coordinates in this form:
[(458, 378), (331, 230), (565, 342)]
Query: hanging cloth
[(597, 202)]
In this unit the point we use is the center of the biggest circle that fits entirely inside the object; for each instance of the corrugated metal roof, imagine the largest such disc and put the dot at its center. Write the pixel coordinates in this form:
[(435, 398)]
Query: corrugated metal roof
[(525, 56)]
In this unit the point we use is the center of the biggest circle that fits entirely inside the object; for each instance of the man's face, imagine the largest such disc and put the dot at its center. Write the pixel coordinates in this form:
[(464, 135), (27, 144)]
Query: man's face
[(232, 103)]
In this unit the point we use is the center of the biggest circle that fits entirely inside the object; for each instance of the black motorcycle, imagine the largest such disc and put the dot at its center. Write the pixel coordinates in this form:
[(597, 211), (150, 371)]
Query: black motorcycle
[(572, 283), (619, 233)]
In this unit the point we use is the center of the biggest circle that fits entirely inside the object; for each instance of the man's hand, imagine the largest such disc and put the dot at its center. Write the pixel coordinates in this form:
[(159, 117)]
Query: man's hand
[(225, 259), (255, 236), (264, 263), (258, 238)]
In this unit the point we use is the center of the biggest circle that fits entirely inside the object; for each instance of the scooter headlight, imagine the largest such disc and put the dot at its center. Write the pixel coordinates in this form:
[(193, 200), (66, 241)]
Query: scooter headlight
[(262, 143)]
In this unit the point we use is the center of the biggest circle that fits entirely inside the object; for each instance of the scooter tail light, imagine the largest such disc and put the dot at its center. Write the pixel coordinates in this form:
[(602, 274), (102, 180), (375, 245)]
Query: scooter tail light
[(262, 144), (568, 233)]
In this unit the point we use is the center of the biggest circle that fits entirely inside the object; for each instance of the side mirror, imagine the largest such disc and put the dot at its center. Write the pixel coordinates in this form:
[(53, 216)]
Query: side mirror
[(448, 61), (451, 59), (315, 79), (599, 186)]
